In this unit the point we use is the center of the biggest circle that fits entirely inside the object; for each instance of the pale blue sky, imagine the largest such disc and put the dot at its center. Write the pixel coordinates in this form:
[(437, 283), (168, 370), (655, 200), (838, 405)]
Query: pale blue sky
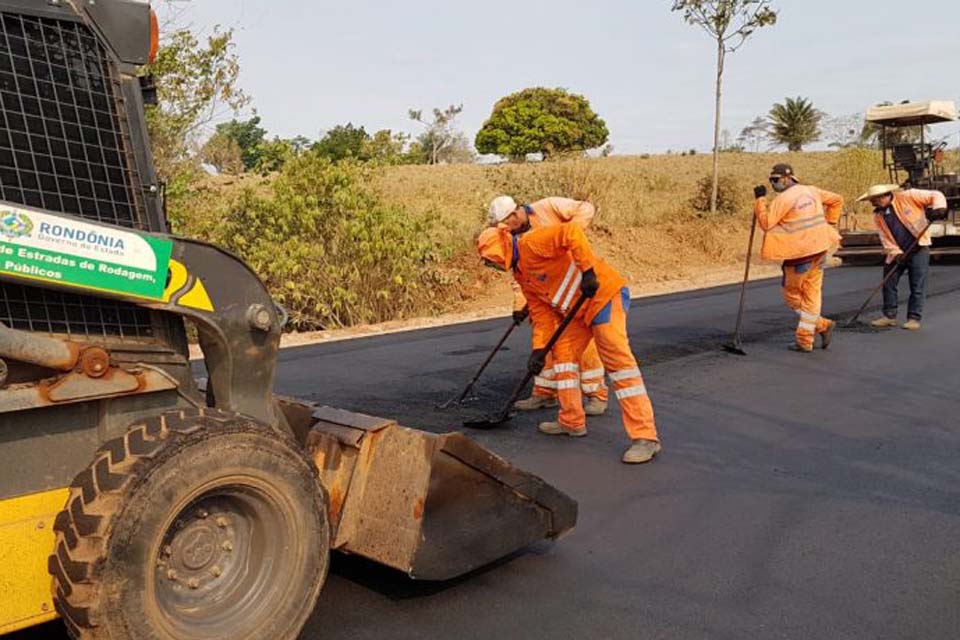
[(310, 65)]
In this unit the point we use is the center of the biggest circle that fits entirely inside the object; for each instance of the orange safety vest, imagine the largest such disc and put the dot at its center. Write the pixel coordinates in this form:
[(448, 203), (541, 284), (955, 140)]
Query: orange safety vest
[(548, 265), (799, 223), (548, 212), (909, 206)]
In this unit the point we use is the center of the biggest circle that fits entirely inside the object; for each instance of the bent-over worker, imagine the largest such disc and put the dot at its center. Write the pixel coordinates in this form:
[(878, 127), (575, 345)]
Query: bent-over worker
[(554, 265), (543, 213), (902, 219)]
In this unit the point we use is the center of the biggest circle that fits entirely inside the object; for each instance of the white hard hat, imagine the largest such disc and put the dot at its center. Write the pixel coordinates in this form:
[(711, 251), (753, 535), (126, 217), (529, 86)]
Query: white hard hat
[(500, 208)]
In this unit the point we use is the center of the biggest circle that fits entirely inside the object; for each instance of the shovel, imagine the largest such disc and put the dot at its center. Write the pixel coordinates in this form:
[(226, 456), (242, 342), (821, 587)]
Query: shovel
[(505, 414), (735, 346), (459, 399)]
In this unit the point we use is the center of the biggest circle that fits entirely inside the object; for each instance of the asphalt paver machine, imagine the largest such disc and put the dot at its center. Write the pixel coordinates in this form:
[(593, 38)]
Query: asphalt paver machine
[(911, 163), (134, 504)]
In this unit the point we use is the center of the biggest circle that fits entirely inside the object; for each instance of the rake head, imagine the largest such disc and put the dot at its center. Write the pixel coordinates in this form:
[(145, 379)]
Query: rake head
[(735, 348)]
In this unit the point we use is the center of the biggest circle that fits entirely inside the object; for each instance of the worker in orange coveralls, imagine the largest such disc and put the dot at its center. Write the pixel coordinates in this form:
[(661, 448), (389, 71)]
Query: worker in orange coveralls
[(799, 229), (551, 211), (554, 265)]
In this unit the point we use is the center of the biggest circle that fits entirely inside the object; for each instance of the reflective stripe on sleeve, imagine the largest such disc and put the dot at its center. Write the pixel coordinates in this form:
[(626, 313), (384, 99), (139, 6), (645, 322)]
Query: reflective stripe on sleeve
[(623, 375)]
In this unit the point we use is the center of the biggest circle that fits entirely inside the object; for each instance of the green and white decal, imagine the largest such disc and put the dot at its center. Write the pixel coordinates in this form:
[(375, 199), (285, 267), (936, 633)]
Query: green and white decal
[(77, 253)]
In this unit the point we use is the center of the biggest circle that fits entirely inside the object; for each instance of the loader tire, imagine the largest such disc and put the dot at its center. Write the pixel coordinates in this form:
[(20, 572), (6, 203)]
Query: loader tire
[(194, 524)]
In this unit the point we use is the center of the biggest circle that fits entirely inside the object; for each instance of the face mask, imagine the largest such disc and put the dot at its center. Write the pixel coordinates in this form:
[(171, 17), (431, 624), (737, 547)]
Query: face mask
[(780, 185)]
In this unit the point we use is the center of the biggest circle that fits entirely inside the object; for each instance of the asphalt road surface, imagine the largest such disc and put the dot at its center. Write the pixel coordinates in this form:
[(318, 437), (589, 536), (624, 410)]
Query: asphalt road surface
[(797, 496)]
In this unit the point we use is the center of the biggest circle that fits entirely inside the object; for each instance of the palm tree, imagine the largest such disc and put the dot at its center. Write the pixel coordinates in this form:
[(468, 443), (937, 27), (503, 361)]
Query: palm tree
[(794, 123)]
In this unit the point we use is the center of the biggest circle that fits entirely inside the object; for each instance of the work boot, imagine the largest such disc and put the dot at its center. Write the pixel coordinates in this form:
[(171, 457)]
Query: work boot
[(912, 325), (595, 407), (557, 429), (641, 451), (796, 347), (827, 336), (535, 402), (883, 322)]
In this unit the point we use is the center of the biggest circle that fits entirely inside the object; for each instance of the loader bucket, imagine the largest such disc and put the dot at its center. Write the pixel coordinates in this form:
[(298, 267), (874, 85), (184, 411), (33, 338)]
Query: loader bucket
[(432, 506)]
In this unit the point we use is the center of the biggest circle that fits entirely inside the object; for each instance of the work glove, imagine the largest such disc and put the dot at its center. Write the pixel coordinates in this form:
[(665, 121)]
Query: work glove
[(759, 191), (538, 358), (936, 214), (521, 315), (589, 284)]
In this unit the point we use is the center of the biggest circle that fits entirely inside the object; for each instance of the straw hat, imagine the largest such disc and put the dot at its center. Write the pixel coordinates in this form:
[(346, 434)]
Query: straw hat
[(879, 190)]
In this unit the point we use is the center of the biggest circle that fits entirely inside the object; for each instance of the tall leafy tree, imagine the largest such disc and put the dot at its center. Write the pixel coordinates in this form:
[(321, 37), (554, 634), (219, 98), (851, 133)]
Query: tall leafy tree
[(540, 120), (196, 85), (730, 23), (248, 135), (343, 142), (794, 123)]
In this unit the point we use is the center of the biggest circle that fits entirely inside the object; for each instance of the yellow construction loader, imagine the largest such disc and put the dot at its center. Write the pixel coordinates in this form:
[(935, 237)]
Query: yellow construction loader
[(135, 504)]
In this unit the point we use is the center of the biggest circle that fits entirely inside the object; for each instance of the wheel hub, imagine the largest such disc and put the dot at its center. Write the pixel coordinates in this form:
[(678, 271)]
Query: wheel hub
[(199, 549)]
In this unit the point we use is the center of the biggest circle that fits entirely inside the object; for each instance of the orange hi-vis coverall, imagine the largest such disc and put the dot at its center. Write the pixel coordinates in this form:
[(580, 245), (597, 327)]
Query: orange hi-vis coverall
[(549, 264), (545, 213), (909, 206), (799, 229)]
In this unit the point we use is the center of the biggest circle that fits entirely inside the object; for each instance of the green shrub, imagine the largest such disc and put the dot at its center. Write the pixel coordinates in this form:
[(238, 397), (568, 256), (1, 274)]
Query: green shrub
[(329, 249), (730, 195)]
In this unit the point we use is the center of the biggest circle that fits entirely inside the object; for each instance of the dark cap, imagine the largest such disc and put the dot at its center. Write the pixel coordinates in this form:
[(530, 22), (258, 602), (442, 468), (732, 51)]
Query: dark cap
[(784, 170)]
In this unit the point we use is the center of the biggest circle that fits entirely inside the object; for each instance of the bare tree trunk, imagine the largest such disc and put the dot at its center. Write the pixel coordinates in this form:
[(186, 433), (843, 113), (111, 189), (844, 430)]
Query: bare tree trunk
[(715, 187)]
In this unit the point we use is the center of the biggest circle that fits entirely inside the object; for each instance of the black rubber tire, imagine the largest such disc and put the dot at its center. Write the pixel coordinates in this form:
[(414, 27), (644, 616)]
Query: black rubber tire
[(157, 499)]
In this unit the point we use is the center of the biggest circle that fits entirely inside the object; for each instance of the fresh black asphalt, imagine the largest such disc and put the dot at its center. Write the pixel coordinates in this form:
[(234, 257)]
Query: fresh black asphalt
[(797, 496)]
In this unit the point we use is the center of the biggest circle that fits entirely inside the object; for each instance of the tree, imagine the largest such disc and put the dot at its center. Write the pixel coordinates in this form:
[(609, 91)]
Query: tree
[(727, 144), (794, 123), (754, 133), (196, 84), (273, 155), (342, 142), (385, 147), (540, 120), (844, 131), (248, 136), (223, 153), (729, 23), (440, 134)]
